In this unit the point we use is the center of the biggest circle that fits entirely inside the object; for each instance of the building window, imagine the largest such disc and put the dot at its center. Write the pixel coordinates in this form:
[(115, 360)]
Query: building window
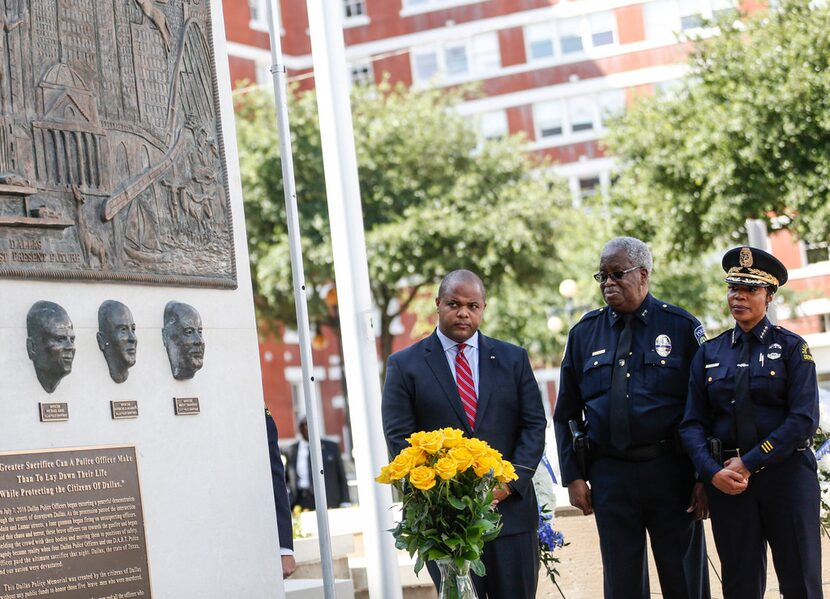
[(570, 35), (493, 125), (817, 251), (539, 41), (354, 8), (603, 26), (589, 187), (577, 114), (663, 19), (361, 74), (548, 118), (691, 15), (475, 56), (455, 60), (486, 52), (611, 104), (259, 13), (426, 65), (581, 114)]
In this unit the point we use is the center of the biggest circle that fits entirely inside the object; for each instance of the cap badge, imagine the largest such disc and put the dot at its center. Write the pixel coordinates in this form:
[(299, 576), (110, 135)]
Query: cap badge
[(662, 345), (746, 257)]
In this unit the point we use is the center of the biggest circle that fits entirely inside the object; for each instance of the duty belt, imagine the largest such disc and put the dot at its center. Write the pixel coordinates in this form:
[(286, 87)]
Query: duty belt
[(641, 453)]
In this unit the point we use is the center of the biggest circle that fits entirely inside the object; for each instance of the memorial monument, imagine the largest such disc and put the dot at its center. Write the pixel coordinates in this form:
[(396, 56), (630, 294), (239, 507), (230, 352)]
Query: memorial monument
[(121, 219)]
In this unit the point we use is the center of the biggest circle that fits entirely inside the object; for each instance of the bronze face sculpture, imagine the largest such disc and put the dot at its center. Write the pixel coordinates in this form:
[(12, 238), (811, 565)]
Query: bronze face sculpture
[(116, 338), (50, 343), (182, 336)]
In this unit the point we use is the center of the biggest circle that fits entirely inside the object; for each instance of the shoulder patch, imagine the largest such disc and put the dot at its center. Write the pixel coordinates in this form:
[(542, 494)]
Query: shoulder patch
[(700, 335), (805, 353)]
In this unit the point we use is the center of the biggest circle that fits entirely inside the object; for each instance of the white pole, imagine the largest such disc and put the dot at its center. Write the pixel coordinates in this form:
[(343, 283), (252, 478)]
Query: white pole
[(278, 72), (354, 297)]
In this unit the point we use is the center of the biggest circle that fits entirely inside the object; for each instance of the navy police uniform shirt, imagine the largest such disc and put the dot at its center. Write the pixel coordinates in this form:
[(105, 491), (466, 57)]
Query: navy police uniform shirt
[(783, 390), (664, 340)]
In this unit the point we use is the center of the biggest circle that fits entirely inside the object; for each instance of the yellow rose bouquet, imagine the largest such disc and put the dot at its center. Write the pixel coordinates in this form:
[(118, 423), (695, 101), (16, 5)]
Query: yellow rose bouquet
[(447, 482)]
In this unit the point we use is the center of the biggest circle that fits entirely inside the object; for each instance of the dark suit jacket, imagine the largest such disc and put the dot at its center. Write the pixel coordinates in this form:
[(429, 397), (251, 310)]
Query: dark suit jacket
[(278, 482), (420, 394), (334, 475)]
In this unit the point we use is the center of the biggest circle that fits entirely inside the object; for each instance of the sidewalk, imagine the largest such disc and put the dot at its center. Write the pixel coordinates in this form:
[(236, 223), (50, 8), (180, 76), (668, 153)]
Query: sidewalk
[(580, 571)]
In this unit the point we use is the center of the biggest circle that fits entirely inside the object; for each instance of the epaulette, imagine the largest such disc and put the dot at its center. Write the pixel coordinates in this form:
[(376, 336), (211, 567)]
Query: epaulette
[(592, 314), (676, 310)]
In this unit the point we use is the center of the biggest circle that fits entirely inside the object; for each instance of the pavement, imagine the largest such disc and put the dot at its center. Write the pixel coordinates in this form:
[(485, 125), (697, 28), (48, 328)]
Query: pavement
[(580, 570)]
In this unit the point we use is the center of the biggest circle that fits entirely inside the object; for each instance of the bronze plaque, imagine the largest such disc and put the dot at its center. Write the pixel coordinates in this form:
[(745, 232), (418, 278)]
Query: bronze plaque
[(54, 412), (186, 406), (123, 410), (112, 162), (71, 525)]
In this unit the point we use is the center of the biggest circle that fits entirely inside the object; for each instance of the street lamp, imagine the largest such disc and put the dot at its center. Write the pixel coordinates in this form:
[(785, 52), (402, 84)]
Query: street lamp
[(567, 289)]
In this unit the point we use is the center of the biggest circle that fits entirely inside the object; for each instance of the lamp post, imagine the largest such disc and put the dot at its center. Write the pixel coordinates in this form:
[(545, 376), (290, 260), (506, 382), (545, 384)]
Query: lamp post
[(568, 289)]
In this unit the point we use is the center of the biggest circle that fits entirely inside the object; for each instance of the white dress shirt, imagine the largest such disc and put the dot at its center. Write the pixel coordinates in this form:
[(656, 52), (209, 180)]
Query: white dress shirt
[(470, 352)]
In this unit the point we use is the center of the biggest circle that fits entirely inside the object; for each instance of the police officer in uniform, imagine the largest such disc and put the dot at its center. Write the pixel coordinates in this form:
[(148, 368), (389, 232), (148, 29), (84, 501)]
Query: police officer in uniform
[(751, 413), (626, 369)]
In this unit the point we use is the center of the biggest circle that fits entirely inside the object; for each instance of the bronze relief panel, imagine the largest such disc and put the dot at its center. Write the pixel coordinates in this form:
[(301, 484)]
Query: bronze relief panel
[(112, 163)]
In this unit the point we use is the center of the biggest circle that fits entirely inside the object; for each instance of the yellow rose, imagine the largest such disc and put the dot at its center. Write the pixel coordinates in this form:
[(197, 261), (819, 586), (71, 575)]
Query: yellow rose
[(384, 477), (417, 454), (508, 472), (484, 464), (446, 467), (400, 466), (453, 437), (414, 438), (422, 477), (432, 441), (463, 457), (477, 447)]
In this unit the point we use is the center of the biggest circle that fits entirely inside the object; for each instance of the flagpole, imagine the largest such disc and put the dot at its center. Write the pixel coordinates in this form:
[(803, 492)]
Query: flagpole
[(353, 293), (279, 75)]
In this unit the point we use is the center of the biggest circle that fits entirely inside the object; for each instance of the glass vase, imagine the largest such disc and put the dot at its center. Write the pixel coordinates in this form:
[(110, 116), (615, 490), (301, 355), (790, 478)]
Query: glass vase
[(455, 580)]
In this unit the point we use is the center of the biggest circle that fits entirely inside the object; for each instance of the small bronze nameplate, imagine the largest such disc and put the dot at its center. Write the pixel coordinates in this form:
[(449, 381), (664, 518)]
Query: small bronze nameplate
[(123, 410), (186, 406), (54, 412)]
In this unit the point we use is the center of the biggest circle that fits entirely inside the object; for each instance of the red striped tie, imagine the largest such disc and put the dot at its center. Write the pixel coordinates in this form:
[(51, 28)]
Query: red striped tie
[(466, 386)]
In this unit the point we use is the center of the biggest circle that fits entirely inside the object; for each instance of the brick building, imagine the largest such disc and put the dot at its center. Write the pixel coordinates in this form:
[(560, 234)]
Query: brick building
[(552, 70)]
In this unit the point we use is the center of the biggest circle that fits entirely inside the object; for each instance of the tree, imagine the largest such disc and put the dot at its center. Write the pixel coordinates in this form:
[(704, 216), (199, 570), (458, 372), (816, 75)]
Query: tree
[(434, 199), (746, 136)]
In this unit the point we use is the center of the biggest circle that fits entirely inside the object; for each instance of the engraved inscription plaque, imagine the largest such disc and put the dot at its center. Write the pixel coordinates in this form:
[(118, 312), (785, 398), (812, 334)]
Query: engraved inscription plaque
[(71, 525), (54, 411), (112, 162), (186, 406), (124, 410)]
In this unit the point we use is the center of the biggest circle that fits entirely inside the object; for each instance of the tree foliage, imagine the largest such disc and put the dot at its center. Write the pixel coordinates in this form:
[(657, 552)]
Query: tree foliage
[(747, 135), (434, 199)]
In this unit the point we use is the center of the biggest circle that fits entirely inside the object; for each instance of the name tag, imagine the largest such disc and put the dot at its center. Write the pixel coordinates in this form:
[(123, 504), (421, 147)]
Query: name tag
[(712, 365), (599, 352)]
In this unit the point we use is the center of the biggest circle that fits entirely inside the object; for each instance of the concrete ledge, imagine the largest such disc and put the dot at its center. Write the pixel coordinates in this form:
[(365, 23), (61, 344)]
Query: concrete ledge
[(307, 549), (309, 588), (406, 571)]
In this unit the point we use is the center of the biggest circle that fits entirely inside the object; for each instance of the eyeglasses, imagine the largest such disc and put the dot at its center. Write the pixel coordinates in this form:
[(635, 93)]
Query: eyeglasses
[(617, 275)]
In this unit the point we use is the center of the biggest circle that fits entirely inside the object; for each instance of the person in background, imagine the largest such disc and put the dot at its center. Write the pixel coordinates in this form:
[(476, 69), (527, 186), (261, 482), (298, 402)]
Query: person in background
[(284, 527), (299, 473), (751, 413)]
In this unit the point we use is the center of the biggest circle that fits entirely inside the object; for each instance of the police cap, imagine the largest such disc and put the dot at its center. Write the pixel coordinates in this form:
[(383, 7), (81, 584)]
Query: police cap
[(750, 266)]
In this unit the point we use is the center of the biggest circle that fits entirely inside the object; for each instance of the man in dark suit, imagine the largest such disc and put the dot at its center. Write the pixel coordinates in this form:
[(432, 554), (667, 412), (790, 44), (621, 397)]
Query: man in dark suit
[(459, 378), (284, 525), (300, 483)]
